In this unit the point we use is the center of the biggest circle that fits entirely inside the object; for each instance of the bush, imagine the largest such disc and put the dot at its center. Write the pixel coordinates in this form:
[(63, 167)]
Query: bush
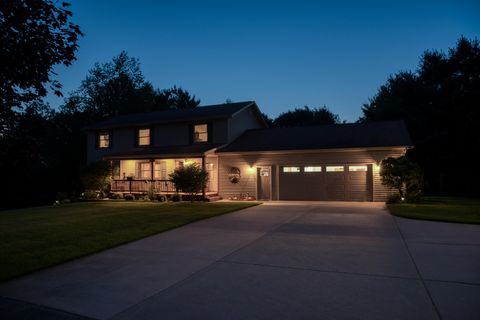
[(176, 197), (116, 195), (403, 175), (394, 199), (91, 195), (95, 176), (129, 197), (191, 179), (61, 196), (161, 198)]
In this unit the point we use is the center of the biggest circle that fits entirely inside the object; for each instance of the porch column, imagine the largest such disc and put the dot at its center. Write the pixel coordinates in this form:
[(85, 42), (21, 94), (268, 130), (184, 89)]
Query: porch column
[(152, 167)]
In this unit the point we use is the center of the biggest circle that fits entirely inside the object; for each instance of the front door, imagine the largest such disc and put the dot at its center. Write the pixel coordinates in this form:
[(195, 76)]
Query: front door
[(264, 181)]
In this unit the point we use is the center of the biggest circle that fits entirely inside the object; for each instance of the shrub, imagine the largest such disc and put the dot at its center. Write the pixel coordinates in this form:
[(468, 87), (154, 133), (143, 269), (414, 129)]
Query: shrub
[(129, 197), (176, 197), (394, 199), (91, 195), (190, 179), (403, 175), (95, 176)]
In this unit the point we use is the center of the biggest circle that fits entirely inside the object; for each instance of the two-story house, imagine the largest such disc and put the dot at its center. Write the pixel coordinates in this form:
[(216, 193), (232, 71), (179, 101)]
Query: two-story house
[(245, 157)]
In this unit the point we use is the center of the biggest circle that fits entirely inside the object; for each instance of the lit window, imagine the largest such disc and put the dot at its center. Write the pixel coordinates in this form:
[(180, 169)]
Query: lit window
[(160, 171), (103, 140), (143, 137), (335, 168), (200, 133), (357, 168), (313, 169), (291, 169), (145, 172)]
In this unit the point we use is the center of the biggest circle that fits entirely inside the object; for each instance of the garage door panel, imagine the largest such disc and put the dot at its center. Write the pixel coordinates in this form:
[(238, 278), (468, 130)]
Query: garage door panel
[(336, 186)]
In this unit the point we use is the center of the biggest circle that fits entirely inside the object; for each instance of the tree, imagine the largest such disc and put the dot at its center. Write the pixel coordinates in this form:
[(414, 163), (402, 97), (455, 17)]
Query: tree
[(191, 179), (35, 35), (306, 116), (177, 98), (95, 175), (111, 88), (403, 175), (118, 87), (439, 103)]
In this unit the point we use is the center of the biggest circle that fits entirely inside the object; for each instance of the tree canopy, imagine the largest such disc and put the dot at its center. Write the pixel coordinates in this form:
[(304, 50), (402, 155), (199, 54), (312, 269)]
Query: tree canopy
[(306, 116), (118, 87), (440, 103), (35, 35)]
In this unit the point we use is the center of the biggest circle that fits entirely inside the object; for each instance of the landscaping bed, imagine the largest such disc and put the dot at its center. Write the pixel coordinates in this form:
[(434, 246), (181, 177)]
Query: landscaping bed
[(36, 238), (448, 209)]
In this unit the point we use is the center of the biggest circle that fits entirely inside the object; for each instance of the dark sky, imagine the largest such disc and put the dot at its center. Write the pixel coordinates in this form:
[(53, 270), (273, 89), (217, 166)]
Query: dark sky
[(282, 54)]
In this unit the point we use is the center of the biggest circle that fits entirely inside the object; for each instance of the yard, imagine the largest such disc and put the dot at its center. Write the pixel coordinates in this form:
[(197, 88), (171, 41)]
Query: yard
[(449, 209), (35, 238)]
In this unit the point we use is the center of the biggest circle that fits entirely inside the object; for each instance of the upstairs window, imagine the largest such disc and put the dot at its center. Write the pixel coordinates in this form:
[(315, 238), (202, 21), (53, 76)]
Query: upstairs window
[(103, 140), (143, 137), (200, 133)]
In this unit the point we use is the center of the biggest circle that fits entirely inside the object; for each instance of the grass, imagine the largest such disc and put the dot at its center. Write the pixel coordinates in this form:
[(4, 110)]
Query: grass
[(36, 238), (448, 209)]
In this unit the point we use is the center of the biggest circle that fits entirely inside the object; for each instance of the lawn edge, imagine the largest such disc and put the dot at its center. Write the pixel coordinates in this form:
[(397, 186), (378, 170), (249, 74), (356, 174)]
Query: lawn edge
[(250, 205)]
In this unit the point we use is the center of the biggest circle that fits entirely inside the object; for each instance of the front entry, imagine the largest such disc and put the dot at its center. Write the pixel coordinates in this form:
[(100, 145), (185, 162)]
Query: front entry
[(264, 183)]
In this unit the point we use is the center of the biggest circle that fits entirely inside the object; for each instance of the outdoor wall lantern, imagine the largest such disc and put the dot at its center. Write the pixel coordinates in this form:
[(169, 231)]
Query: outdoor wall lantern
[(234, 175)]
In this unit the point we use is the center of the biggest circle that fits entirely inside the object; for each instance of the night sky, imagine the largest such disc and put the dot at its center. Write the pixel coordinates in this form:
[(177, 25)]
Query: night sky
[(278, 53)]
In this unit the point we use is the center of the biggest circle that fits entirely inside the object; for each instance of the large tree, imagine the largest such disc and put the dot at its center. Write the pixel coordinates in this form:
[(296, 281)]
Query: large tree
[(118, 87), (35, 35), (440, 103), (306, 116)]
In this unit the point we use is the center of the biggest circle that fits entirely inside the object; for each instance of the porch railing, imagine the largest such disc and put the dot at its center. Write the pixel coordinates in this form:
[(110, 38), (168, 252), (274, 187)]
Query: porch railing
[(130, 186)]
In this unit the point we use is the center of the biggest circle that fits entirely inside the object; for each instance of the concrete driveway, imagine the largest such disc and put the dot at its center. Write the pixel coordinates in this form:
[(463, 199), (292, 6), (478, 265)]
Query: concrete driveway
[(280, 260)]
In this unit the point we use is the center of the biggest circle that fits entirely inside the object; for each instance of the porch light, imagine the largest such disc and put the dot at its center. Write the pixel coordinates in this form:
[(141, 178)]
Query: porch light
[(251, 169)]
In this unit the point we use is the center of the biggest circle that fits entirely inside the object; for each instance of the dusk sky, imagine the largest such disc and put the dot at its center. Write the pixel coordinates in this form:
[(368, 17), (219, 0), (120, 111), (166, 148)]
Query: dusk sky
[(282, 54)]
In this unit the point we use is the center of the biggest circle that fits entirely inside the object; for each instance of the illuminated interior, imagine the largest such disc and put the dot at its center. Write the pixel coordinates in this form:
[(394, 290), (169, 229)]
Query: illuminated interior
[(335, 168)]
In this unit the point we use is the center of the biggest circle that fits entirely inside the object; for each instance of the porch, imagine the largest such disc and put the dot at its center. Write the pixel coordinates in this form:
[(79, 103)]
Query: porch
[(147, 175)]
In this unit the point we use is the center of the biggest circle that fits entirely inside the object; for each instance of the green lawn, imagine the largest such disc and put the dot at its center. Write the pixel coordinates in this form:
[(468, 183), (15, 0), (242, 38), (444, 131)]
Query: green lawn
[(35, 238), (448, 209)]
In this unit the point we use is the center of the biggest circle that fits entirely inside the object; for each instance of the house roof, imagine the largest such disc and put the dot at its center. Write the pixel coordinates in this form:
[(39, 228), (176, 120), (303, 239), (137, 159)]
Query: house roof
[(196, 150), (336, 136), (210, 112)]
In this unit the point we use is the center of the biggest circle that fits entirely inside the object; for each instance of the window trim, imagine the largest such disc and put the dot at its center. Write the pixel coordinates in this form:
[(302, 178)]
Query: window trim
[(137, 137), (207, 125), (103, 133)]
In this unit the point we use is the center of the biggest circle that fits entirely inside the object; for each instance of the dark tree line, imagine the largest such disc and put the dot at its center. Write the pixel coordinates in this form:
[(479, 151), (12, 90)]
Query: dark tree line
[(47, 148), (440, 104), (305, 116)]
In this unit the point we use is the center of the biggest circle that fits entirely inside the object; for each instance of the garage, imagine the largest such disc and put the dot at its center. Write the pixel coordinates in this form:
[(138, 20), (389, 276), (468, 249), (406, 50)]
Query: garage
[(326, 182)]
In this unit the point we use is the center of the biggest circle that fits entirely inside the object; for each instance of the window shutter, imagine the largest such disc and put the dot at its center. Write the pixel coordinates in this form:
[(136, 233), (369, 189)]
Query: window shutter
[(190, 133), (97, 140), (110, 139), (137, 170), (135, 137), (209, 132), (152, 131)]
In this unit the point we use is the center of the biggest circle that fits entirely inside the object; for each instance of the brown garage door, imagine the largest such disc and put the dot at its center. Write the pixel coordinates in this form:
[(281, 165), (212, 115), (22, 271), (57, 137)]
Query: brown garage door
[(336, 182)]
